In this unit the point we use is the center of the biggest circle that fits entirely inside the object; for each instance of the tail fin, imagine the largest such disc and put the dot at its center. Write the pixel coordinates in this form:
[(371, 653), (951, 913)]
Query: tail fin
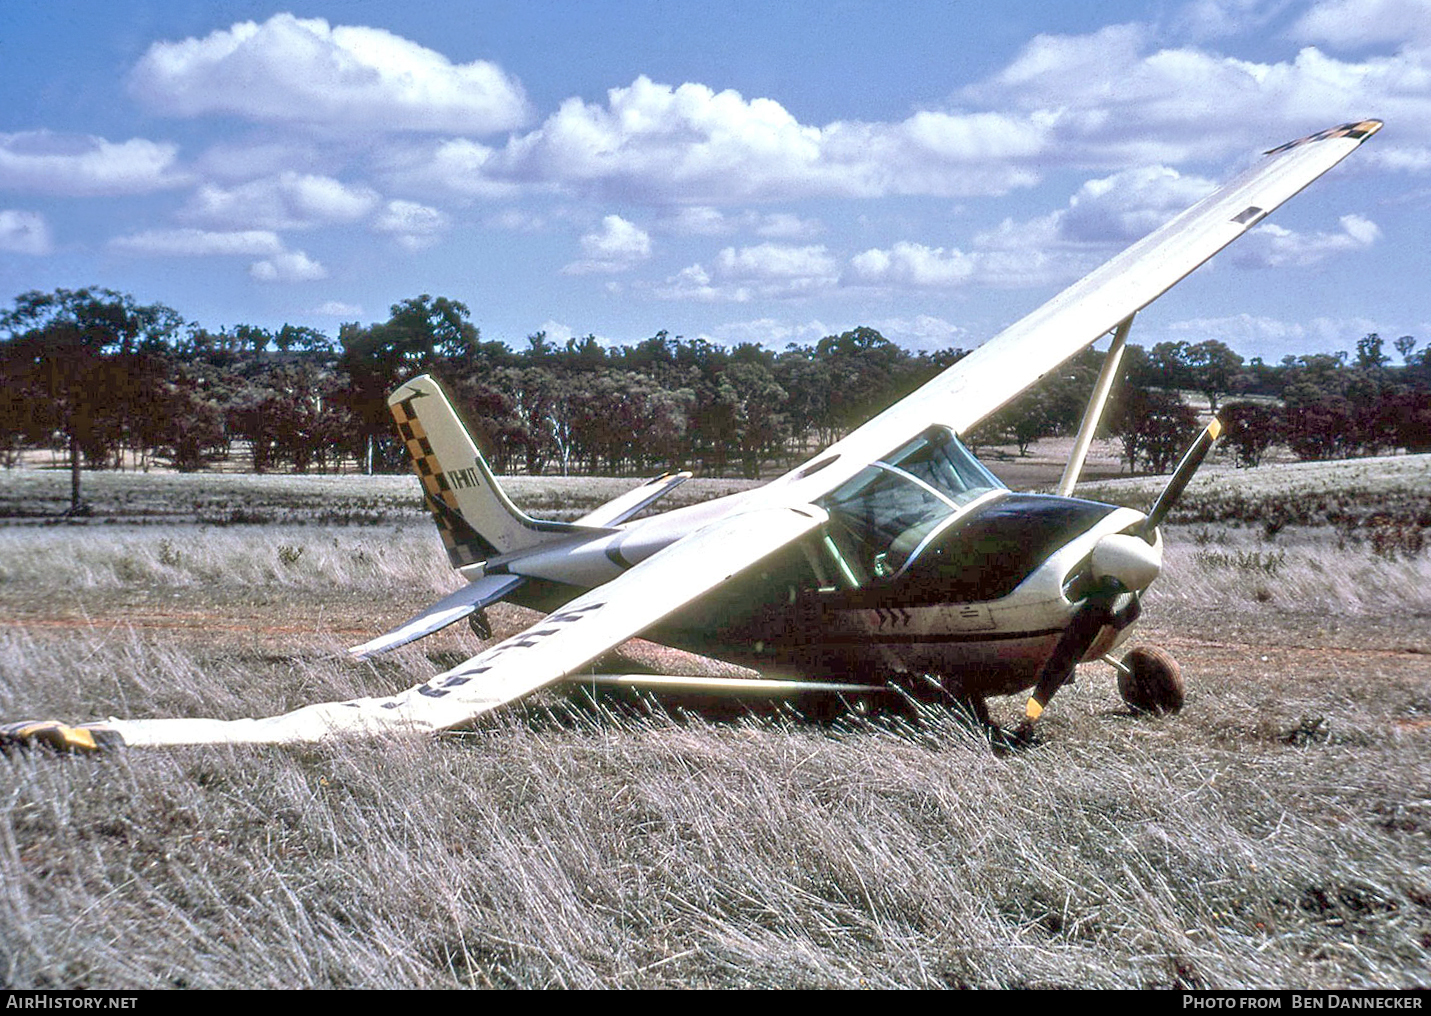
[(476, 519)]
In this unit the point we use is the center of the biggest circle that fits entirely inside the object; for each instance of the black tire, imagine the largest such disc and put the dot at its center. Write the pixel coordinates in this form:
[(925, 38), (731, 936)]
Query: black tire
[(1155, 682)]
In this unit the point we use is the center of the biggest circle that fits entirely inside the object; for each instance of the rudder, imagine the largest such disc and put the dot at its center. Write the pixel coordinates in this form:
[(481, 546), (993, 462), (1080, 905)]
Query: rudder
[(476, 519)]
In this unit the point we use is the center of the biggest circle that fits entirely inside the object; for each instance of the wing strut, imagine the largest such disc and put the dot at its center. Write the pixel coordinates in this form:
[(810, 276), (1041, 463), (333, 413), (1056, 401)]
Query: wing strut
[(1096, 404)]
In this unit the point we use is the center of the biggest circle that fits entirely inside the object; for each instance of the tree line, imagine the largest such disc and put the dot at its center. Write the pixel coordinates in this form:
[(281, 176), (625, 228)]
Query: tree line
[(106, 382)]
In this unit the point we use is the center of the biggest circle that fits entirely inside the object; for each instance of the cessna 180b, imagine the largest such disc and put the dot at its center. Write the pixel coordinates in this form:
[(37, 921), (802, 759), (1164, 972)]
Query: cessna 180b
[(893, 551)]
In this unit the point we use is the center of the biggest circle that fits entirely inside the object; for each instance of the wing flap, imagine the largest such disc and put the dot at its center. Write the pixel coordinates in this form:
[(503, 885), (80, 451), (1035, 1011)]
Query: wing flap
[(554, 648)]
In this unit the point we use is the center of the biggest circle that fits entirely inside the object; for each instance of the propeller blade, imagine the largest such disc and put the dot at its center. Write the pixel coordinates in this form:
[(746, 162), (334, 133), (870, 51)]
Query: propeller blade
[(1178, 482), (1082, 630)]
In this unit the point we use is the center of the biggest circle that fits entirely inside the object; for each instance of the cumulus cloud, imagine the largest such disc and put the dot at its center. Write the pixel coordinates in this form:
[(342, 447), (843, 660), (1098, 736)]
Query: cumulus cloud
[(1010, 258), (923, 331), (1114, 97), (290, 266), (1274, 246), (1349, 23), (691, 144), (306, 71), (615, 247), (556, 332), (44, 162), (774, 261), (703, 220), (277, 264), (24, 232), (1205, 19), (771, 332), (412, 225), (287, 201), (1126, 206), (700, 220), (199, 242), (911, 265), (1102, 217), (694, 283), (769, 270), (1110, 211), (338, 309), (1400, 159), (1102, 100), (785, 226)]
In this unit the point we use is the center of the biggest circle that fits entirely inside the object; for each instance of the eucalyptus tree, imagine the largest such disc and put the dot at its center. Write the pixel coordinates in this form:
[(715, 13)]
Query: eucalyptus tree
[(86, 364)]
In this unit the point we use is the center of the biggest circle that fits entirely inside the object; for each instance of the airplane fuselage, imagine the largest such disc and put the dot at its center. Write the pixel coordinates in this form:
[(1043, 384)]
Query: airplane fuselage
[(927, 565), (982, 606)]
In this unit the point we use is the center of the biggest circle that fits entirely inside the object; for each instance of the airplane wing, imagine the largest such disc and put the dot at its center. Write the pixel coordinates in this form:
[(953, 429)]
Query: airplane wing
[(628, 504), (556, 647), (454, 607), (1013, 360)]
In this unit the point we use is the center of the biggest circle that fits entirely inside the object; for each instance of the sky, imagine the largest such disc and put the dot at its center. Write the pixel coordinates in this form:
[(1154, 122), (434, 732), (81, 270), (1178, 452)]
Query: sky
[(738, 171)]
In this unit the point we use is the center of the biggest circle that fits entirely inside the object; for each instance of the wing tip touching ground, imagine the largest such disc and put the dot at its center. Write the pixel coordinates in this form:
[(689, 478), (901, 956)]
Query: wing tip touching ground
[(58, 736)]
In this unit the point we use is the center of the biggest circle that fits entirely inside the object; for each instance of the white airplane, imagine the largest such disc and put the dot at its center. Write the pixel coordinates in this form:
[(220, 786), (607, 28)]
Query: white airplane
[(892, 552)]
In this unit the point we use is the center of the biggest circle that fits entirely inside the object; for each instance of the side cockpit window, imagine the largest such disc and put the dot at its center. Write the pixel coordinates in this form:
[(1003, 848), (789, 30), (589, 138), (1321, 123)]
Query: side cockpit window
[(888, 511)]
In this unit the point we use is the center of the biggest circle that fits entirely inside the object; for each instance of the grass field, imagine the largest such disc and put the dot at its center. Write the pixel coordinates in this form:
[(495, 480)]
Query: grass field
[(1275, 833)]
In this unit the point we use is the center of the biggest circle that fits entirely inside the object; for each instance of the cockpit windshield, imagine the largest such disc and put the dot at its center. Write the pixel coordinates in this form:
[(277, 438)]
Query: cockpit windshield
[(891, 509)]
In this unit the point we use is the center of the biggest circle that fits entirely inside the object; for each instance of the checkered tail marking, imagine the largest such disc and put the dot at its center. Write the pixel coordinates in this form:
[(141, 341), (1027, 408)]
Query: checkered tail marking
[(464, 544)]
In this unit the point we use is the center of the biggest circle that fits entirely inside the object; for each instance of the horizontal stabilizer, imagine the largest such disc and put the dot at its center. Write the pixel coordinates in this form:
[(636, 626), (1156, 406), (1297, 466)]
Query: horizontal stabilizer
[(619, 509), (756, 687), (468, 600)]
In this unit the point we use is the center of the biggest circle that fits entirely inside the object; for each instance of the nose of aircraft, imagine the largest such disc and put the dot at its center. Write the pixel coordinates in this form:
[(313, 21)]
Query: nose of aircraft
[(1130, 559)]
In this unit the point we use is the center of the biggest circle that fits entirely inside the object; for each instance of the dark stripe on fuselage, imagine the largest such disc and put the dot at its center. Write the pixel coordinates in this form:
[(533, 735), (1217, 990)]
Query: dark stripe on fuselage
[(931, 638)]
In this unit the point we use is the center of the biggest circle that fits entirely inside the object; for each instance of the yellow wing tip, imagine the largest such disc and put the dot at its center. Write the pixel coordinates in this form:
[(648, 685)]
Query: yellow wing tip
[(1214, 429), (52, 734)]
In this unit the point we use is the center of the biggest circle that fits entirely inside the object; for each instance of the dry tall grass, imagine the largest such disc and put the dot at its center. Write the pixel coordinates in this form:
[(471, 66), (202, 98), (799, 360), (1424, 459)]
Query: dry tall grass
[(617, 852)]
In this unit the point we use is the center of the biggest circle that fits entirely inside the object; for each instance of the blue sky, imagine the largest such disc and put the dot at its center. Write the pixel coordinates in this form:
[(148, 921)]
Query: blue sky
[(739, 171)]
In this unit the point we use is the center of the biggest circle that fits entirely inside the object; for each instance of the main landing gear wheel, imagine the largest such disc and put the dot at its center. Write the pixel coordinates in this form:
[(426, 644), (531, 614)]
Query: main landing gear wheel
[(1151, 681)]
